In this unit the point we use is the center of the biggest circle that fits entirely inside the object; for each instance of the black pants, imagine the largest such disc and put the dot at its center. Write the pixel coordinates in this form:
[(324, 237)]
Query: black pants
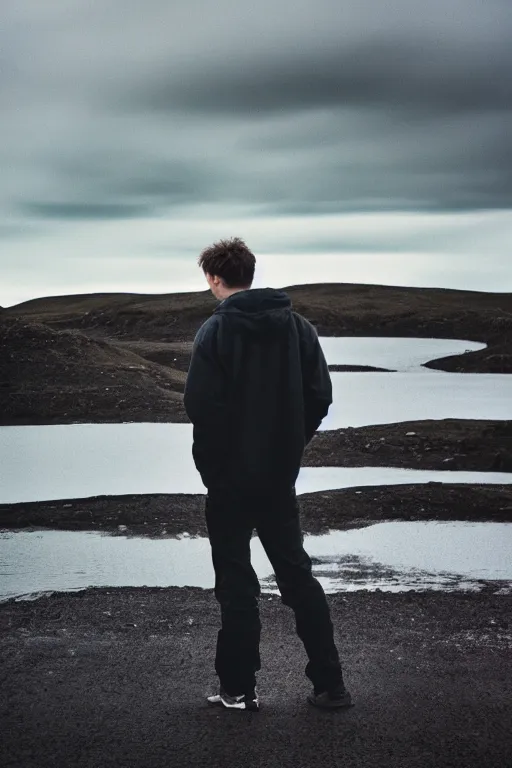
[(231, 517)]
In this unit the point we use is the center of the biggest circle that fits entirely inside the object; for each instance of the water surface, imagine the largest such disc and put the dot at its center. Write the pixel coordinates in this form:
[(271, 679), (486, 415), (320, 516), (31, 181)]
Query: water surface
[(364, 399), (80, 460), (38, 463), (394, 556), (397, 354)]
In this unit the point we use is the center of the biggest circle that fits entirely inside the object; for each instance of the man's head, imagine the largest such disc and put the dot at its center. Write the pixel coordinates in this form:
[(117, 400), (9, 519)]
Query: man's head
[(228, 266)]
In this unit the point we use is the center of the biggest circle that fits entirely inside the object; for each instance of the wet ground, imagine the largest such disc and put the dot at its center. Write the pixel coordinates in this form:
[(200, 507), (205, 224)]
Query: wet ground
[(118, 678)]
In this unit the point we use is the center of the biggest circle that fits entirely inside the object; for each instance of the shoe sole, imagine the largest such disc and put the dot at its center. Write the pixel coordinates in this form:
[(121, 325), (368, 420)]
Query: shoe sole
[(241, 706), (344, 703)]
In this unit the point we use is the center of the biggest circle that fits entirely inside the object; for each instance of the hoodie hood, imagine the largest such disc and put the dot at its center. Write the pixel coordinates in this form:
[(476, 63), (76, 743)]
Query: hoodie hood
[(258, 311)]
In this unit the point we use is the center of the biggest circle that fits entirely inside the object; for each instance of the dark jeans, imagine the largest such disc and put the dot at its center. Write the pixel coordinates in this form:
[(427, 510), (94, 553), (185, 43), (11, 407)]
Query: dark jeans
[(231, 517)]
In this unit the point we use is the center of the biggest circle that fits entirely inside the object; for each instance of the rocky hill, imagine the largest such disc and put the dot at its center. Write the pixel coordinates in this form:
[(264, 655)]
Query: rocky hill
[(51, 376), (154, 321)]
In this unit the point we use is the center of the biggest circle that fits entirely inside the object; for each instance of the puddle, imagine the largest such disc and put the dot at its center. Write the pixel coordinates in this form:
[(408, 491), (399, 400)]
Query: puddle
[(394, 556), (41, 463), (397, 354)]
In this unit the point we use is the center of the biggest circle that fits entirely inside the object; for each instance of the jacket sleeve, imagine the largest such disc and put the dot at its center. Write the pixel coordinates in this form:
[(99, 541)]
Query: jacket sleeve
[(205, 402), (316, 382)]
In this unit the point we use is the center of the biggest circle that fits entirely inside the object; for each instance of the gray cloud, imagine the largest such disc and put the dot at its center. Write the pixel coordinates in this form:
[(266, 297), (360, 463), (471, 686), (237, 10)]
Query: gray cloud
[(417, 75), (83, 211), (123, 110)]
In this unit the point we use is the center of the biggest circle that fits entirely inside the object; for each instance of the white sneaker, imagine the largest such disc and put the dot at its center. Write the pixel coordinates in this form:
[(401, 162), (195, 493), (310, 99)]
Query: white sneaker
[(249, 702)]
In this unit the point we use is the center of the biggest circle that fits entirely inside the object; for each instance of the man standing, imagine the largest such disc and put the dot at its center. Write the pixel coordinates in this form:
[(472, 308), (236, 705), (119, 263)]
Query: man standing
[(257, 390)]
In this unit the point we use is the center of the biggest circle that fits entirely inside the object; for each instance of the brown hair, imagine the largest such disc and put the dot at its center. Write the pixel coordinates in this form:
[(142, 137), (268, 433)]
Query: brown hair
[(230, 260)]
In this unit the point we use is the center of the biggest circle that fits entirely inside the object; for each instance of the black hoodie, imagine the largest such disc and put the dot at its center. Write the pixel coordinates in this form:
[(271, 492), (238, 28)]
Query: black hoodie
[(257, 390)]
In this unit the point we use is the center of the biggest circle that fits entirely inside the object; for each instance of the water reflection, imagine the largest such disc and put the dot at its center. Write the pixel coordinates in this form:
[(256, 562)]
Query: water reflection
[(393, 556)]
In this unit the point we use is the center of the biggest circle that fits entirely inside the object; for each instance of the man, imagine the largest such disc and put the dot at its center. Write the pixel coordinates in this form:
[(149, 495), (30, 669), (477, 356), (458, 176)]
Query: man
[(257, 390)]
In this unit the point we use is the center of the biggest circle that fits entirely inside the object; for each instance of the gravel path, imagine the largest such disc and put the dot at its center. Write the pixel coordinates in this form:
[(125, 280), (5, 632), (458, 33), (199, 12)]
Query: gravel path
[(118, 678)]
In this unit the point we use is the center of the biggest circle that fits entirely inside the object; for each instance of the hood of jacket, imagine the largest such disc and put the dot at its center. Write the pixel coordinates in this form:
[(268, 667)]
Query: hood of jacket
[(258, 311)]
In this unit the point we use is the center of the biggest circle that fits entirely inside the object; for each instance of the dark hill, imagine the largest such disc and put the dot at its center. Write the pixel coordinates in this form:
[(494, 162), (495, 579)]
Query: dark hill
[(335, 309), (123, 357), (49, 376)]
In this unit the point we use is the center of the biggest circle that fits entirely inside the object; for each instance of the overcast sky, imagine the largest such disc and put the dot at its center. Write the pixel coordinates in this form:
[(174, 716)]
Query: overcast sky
[(361, 141)]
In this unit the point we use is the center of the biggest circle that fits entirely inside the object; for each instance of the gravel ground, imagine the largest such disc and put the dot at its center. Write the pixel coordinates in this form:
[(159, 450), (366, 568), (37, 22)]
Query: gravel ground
[(452, 444), (157, 515), (118, 678)]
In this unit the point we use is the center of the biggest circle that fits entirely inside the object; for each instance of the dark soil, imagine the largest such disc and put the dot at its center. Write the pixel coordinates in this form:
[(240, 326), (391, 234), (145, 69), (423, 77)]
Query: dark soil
[(336, 309), (448, 444), (169, 515), (117, 677), (60, 377), (176, 356), (497, 358)]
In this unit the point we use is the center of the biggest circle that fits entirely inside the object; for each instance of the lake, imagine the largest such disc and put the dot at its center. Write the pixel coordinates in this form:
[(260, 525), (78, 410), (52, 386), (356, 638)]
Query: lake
[(72, 461)]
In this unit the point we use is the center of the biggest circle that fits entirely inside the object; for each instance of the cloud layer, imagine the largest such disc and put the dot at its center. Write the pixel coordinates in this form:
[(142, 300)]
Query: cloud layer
[(123, 111)]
